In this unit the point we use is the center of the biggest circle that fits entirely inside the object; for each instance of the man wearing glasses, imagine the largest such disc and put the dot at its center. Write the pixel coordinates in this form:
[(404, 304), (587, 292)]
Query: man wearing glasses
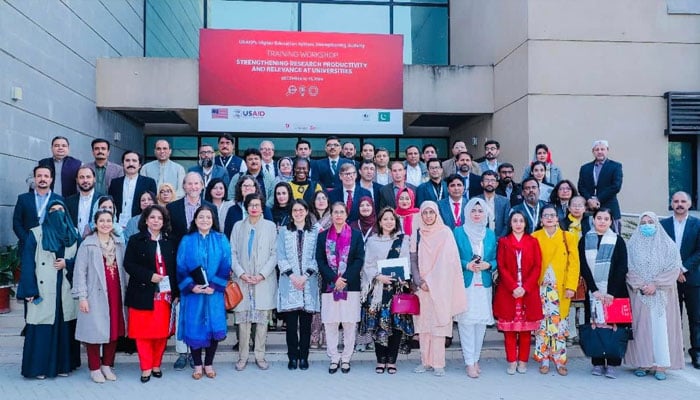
[(349, 192), (206, 168), (434, 189), (329, 167)]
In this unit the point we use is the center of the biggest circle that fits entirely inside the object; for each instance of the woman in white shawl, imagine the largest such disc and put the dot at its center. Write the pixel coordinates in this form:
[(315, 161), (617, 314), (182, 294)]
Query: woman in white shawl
[(654, 265)]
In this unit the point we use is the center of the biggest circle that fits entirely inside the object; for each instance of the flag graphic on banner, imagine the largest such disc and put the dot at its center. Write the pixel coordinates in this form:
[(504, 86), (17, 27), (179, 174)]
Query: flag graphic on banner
[(219, 113)]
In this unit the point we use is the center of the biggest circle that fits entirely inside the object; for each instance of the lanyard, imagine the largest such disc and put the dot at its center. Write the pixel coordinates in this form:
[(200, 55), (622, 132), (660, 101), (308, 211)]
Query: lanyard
[(438, 195), (225, 164), (41, 207), (532, 218)]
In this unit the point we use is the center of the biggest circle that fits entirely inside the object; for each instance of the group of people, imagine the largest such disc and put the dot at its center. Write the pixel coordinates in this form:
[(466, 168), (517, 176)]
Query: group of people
[(331, 246)]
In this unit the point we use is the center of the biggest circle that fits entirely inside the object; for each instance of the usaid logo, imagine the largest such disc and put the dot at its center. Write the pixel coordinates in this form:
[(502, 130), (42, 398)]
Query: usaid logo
[(238, 113)]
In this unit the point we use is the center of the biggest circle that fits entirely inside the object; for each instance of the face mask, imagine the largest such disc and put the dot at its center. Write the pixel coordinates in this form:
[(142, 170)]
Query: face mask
[(648, 230), (206, 162)]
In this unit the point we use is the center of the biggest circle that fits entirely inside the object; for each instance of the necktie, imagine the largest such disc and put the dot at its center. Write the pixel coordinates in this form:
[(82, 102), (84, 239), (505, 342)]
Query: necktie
[(349, 202), (267, 167), (333, 165), (458, 218)]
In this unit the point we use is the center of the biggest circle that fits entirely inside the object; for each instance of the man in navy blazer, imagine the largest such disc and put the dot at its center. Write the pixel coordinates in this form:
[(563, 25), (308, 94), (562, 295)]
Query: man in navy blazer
[(30, 208), (451, 208), (531, 207), (499, 206), (434, 189), (688, 228), (367, 173), (326, 170), (180, 219), (349, 188), (472, 182), (600, 180), (65, 167), (389, 191), (206, 168), (127, 190), (81, 211)]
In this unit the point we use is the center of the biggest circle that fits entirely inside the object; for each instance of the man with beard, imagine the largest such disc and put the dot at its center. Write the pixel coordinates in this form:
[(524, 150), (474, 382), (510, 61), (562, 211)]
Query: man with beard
[(472, 182), (80, 204), (163, 169), (506, 187), (435, 189), (531, 207), (65, 167), (684, 229), (227, 158), (127, 190), (253, 162), (389, 192), (349, 151), (498, 206), (105, 170), (491, 151), (452, 207), (30, 208), (206, 168)]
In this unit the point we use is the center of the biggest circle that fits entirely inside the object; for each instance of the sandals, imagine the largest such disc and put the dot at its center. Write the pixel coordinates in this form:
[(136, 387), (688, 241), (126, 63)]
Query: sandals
[(640, 372), (380, 369), (345, 367), (544, 369), (197, 374), (333, 368), (660, 375), (210, 373), (391, 370), (562, 370)]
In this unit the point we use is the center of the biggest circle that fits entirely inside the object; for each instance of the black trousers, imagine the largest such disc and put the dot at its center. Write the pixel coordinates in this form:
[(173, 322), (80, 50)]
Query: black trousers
[(298, 343), (690, 296), (388, 354), (611, 361), (209, 353)]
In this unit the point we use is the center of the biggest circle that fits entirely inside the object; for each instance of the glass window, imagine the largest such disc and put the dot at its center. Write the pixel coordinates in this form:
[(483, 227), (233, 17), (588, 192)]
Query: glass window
[(425, 34), (387, 143), (173, 31), (182, 146), (345, 18), (422, 1), (284, 146), (253, 15), (682, 171)]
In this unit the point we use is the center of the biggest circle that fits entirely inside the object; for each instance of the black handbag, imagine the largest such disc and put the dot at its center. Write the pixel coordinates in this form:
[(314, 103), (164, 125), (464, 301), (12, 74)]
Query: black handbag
[(604, 342)]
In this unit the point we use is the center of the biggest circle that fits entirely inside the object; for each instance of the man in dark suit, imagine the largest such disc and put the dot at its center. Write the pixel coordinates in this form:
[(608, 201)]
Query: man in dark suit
[(531, 207), (182, 211), (506, 186), (30, 208), (472, 182), (684, 229), (435, 189), (303, 150), (326, 170), (80, 204), (499, 206), (349, 192), (451, 208), (367, 171), (206, 168), (65, 167), (600, 180), (227, 156), (388, 193), (105, 170), (127, 190)]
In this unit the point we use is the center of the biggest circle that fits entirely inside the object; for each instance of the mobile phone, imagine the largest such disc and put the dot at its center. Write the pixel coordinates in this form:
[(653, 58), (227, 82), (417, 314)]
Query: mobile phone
[(476, 258), (37, 301)]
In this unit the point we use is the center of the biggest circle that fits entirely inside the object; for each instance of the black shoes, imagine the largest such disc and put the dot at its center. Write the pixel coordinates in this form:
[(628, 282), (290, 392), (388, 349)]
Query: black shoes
[(345, 367), (293, 363), (145, 379), (303, 364), (157, 374), (333, 368)]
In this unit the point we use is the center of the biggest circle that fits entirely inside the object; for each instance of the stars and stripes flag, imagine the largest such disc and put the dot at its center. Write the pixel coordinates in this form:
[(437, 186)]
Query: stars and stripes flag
[(219, 113)]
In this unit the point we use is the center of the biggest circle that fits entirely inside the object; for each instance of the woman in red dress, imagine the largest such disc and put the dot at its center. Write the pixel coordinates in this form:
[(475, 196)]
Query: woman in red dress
[(517, 304), (152, 289)]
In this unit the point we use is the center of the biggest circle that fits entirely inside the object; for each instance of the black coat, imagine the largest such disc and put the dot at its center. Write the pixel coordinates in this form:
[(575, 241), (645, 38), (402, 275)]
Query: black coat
[(617, 285), (356, 259), (139, 263)]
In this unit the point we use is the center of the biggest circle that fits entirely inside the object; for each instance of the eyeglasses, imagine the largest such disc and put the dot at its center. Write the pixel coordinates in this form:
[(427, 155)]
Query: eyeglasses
[(489, 180), (165, 191), (565, 188), (332, 144), (248, 185), (549, 215), (348, 173), (206, 153)]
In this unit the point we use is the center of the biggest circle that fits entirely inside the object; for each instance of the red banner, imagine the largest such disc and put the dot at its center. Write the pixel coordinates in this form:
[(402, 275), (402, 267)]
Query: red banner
[(300, 69)]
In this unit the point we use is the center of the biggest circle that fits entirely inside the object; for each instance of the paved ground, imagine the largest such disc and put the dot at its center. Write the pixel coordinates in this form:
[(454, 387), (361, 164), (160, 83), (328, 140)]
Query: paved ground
[(316, 383)]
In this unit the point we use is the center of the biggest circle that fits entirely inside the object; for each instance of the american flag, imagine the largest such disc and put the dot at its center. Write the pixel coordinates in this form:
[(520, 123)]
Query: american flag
[(219, 113)]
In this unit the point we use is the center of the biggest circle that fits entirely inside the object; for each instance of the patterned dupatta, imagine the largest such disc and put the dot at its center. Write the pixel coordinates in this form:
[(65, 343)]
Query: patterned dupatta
[(338, 248)]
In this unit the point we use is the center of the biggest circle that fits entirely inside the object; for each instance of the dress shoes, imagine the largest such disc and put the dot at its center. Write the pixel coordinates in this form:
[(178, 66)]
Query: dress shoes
[(293, 364), (303, 364)]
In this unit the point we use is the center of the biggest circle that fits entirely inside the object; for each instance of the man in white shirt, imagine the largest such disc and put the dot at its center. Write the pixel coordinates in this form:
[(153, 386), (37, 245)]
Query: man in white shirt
[(127, 190), (381, 161), (163, 169), (267, 149), (80, 204), (416, 172), (452, 207)]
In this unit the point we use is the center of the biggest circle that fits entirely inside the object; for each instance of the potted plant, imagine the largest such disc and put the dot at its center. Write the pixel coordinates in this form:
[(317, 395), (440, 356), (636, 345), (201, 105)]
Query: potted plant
[(9, 268)]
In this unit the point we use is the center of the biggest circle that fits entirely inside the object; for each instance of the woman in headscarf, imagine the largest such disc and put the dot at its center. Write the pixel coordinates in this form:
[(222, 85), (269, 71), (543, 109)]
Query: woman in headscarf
[(436, 271), (254, 250), (603, 257), (367, 223), (477, 254), (552, 172), (406, 209), (48, 259), (654, 266), (340, 254), (204, 251), (284, 168), (558, 282), (517, 304), (385, 328), (99, 284)]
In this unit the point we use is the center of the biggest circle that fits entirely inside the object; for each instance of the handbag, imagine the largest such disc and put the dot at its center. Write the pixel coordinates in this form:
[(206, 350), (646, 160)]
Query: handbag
[(405, 303), (604, 342), (232, 295)]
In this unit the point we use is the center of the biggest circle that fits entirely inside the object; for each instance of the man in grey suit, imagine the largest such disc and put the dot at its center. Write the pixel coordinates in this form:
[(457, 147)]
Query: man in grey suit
[(498, 206), (105, 170), (684, 229)]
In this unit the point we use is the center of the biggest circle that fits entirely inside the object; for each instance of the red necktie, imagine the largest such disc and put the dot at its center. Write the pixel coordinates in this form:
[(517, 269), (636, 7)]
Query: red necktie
[(349, 203), (458, 219)]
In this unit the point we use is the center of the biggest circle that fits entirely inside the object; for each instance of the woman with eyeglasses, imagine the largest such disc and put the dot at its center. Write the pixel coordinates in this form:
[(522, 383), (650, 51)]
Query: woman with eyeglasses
[(558, 282), (166, 194), (561, 196), (246, 185)]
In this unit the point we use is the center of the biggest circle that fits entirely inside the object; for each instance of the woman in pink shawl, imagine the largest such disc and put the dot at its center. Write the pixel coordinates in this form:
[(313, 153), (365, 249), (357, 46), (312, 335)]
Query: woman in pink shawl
[(436, 270)]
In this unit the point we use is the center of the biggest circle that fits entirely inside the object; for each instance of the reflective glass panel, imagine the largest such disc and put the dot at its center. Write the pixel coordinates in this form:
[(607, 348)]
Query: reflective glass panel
[(425, 31), (349, 18), (252, 15)]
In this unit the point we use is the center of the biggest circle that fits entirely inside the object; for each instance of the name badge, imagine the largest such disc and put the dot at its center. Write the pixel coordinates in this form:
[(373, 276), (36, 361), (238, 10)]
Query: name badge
[(164, 285)]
